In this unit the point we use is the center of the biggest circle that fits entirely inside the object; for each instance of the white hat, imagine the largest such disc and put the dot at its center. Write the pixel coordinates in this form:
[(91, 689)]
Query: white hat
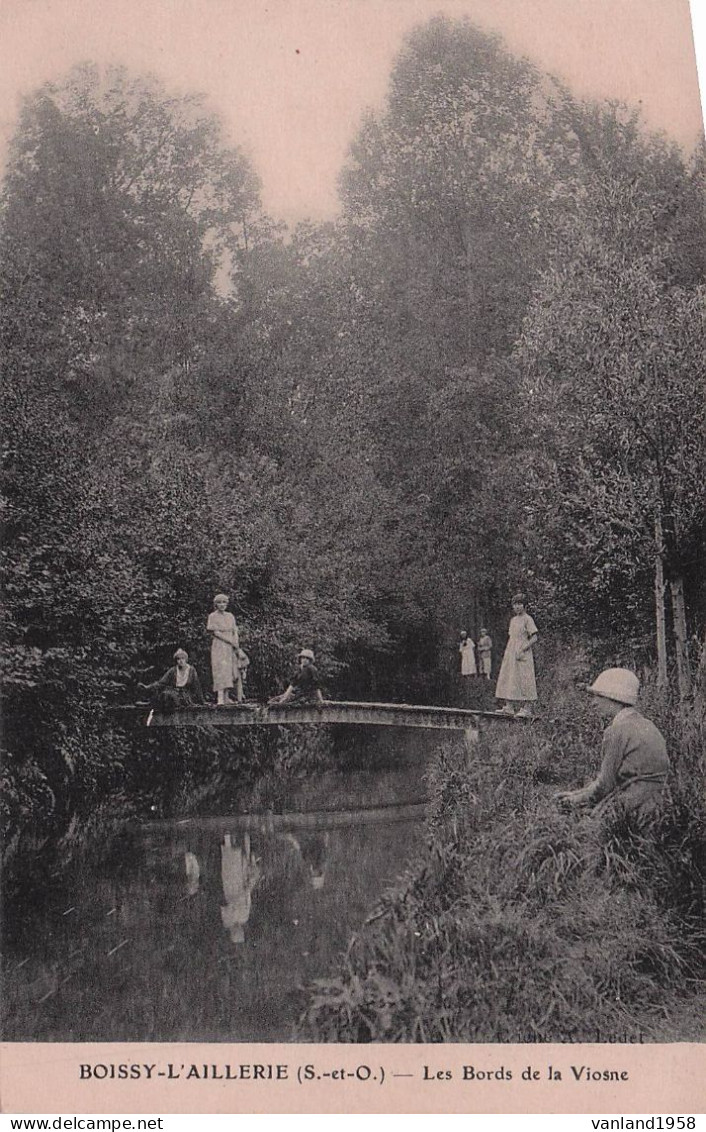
[(305, 653), (616, 684)]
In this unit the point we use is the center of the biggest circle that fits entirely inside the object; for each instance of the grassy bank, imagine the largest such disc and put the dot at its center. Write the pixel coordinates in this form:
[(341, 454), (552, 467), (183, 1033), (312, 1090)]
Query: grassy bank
[(520, 923)]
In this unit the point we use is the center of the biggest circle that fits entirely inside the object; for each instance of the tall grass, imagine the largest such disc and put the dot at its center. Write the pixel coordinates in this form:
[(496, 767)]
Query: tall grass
[(521, 923)]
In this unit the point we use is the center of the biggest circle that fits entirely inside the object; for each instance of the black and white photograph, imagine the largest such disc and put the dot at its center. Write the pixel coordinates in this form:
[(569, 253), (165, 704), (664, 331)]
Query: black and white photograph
[(354, 522)]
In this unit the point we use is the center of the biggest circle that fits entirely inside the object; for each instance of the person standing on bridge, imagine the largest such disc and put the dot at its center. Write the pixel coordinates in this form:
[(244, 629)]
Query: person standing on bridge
[(516, 681), (225, 650), (304, 685)]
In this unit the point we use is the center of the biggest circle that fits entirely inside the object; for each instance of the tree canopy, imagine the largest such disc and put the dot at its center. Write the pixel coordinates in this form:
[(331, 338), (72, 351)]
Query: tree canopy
[(485, 374)]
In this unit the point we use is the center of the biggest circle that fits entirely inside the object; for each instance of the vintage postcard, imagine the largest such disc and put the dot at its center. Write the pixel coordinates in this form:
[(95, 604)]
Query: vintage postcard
[(354, 561)]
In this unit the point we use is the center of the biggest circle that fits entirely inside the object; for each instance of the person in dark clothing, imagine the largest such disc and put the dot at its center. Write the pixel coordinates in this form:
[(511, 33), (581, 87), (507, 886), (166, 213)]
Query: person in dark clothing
[(634, 761), (179, 687), (304, 686)]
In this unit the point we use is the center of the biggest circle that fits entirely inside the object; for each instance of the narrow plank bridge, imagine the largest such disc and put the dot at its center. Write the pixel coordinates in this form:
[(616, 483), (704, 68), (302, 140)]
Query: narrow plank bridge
[(331, 711), (269, 823)]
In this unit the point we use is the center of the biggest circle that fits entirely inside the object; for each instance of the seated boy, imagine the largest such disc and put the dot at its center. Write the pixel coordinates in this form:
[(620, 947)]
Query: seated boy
[(304, 685)]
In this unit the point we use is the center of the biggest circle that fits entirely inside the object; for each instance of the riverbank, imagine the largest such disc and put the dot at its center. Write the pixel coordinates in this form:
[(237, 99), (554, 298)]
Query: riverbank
[(518, 923)]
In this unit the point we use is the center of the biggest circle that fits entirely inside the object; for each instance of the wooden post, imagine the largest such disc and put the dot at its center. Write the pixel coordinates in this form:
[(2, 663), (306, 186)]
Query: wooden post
[(659, 603), (676, 586)]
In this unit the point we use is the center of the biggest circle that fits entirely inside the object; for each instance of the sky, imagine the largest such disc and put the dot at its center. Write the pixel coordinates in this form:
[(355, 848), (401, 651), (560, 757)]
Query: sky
[(292, 79)]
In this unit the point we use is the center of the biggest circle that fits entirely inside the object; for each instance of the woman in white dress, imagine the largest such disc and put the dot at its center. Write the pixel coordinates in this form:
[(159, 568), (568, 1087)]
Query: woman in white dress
[(516, 681), (467, 652), (225, 648)]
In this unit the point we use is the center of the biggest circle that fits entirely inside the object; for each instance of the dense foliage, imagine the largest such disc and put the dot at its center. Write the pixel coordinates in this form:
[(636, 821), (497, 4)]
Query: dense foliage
[(486, 374)]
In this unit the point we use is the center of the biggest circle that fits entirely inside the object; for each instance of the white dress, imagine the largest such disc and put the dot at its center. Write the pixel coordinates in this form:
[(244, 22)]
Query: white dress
[(516, 680), (468, 657), (224, 654), (239, 875)]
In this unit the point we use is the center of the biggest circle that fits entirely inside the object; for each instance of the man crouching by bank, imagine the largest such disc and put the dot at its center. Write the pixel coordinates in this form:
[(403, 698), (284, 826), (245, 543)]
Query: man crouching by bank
[(304, 685), (634, 760)]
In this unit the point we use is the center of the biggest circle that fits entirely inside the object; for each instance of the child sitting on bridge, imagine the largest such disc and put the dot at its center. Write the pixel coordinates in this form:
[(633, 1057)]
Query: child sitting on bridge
[(304, 686), (179, 687)]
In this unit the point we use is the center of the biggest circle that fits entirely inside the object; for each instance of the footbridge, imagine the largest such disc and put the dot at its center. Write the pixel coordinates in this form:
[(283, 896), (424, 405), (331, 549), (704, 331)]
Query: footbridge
[(330, 711), (271, 823)]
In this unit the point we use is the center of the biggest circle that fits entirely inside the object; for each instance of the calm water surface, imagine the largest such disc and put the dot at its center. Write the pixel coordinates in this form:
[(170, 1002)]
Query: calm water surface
[(210, 928)]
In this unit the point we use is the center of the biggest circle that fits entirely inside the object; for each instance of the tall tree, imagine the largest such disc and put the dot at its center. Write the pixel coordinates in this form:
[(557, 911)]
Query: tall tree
[(117, 200), (115, 203), (448, 196), (448, 186), (612, 357)]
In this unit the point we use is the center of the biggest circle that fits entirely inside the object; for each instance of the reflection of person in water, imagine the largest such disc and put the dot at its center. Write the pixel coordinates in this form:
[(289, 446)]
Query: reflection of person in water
[(313, 849), (240, 872), (193, 873)]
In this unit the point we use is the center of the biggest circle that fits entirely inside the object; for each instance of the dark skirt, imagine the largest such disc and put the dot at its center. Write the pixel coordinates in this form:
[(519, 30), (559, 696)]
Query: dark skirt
[(171, 699)]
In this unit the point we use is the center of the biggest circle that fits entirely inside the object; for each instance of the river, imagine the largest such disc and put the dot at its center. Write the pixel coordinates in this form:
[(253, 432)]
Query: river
[(211, 928)]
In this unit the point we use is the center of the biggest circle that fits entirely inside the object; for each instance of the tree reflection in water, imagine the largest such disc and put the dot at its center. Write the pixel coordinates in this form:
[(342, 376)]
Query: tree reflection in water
[(207, 929)]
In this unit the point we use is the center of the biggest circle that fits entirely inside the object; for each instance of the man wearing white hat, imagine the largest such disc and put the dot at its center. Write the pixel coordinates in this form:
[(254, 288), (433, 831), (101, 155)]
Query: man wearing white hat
[(304, 685), (634, 760)]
